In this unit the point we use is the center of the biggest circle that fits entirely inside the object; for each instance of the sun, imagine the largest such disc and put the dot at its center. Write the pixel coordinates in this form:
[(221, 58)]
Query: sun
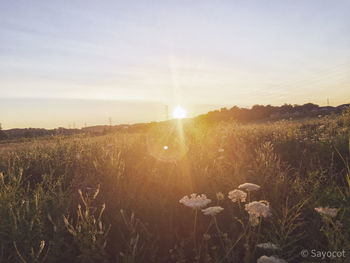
[(179, 112)]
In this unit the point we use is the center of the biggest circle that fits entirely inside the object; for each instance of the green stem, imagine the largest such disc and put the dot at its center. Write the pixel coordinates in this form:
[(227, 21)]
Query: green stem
[(258, 238), (231, 248), (219, 232), (195, 230), (200, 248)]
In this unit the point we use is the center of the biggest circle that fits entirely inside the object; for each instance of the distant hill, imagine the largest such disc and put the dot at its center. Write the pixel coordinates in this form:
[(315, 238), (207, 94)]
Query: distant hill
[(243, 115)]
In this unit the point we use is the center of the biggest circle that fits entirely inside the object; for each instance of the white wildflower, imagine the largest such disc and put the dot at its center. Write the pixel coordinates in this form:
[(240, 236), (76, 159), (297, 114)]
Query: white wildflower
[(256, 210), (212, 211), (332, 212), (237, 195), (221, 150), (195, 201), (249, 187), (272, 259), (267, 245)]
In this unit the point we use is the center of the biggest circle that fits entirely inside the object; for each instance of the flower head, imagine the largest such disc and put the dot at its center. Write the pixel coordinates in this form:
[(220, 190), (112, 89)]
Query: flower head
[(195, 201), (249, 187), (212, 211), (267, 245), (237, 195), (332, 212), (259, 208), (272, 259), (256, 210)]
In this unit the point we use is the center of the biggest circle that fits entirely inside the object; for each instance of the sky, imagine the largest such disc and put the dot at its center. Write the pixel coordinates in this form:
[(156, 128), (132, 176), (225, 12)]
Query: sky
[(76, 63)]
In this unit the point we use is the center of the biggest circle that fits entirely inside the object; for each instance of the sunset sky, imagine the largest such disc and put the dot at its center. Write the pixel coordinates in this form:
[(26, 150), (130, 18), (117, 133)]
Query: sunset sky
[(65, 63)]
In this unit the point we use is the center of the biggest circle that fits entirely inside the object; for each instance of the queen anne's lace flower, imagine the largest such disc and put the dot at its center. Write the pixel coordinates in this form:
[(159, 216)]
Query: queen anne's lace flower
[(259, 208), (267, 245), (249, 187), (212, 211), (195, 201), (256, 210), (332, 212), (272, 259), (237, 195)]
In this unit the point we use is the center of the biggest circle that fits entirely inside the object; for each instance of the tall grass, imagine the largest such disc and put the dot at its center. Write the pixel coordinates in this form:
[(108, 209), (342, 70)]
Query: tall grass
[(115, 198)]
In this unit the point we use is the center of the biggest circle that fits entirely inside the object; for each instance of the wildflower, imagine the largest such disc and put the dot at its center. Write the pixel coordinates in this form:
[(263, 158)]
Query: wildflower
[(220, 196), (272, 259), (221, 150), (259, 208), (256, 210), (212, 211), (237, 195), (267, 245), (195, 201), (249, 187), (332, 212)]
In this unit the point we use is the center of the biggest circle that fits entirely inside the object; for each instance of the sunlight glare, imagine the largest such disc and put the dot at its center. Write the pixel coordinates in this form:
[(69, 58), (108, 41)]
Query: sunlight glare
[(179, 112)]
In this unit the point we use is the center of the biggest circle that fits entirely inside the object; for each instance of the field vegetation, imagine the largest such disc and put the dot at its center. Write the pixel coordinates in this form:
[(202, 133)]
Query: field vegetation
[(121, 197)]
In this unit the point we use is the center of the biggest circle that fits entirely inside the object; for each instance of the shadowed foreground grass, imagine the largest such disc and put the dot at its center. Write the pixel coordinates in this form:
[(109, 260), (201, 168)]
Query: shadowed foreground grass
[(116, 198)]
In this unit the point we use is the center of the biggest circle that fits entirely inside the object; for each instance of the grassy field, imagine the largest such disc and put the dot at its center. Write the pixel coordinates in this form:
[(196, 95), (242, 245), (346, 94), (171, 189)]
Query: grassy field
[(115, 198)]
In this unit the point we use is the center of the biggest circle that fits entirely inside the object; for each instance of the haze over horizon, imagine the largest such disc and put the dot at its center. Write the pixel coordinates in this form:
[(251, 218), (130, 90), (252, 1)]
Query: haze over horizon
[(82, 62)]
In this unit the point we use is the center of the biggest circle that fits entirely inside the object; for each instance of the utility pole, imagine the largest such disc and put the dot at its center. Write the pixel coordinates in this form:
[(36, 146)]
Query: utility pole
[(327, 101)]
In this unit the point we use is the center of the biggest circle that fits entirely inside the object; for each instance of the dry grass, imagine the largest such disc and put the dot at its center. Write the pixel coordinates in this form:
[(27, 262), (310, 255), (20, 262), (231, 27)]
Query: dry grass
[(51, 210)]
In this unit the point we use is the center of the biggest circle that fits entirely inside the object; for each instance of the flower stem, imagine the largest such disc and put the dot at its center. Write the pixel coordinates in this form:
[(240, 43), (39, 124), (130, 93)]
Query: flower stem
[(219, 232), (233, 246), (258, 238), (201, 244), (195, 230)]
